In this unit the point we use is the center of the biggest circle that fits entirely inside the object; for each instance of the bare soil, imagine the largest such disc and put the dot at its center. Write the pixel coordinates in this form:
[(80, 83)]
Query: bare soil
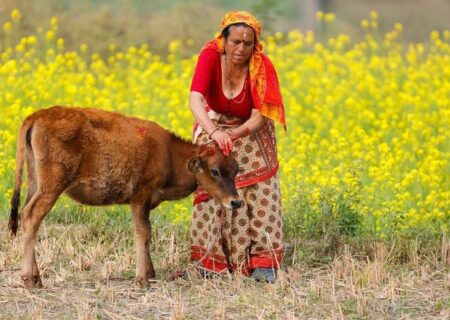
[(89, 274)]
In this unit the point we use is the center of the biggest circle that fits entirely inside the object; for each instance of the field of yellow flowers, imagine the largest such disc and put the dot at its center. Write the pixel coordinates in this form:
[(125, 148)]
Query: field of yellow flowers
[(368, 139)]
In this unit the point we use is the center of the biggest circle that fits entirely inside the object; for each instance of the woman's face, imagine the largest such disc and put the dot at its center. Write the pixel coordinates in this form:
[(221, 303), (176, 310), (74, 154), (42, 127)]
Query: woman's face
[(240, 44)]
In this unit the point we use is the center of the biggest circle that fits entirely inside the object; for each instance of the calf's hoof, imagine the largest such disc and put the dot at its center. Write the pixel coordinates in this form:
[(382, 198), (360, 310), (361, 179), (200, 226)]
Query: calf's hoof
[(144, 281), (32, 282)]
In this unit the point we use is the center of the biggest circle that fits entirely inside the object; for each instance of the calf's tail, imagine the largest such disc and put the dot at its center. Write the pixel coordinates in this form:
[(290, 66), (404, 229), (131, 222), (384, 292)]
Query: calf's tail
[(22, 140)]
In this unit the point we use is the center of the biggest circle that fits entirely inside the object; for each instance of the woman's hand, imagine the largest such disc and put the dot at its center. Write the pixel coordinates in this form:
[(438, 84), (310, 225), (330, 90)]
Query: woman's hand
[(223, 140)]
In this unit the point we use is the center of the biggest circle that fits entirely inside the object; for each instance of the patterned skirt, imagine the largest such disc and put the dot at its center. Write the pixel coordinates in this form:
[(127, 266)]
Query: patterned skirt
[(249, 237)]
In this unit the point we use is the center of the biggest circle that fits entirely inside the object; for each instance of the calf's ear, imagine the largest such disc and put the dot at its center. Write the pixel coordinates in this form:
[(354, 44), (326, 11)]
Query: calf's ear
[(195, 165)]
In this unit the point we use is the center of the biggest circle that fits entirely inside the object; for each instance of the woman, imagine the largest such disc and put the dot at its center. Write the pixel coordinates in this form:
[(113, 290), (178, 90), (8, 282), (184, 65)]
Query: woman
[(235, 97)]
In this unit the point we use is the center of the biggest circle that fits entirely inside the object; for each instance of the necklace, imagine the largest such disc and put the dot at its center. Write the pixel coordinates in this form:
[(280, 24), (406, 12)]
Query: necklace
[(229, 86)]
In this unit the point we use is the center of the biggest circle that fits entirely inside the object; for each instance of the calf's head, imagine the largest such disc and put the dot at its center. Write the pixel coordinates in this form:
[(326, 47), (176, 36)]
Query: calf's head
[(217, 174)]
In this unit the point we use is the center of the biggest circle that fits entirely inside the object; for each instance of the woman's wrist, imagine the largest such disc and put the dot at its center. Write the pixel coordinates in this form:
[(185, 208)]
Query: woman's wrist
[(247, 131), (231, 133), (213, 131), (240, 132)]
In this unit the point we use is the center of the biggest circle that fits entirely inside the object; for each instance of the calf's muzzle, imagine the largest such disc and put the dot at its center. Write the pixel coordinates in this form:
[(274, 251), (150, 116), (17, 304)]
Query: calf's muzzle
[(236, 204)]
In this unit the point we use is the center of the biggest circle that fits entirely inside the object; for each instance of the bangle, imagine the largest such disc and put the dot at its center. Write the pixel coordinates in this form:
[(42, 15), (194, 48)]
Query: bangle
[(209, 135)]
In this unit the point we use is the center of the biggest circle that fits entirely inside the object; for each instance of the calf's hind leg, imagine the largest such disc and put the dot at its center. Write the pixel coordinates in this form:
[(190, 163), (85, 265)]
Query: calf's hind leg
[(49, 187), (31, 177), (142, 229), (32, 216)]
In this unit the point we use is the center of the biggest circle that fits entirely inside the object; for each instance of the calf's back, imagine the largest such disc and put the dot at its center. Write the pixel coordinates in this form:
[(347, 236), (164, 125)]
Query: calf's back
[(104, 157)]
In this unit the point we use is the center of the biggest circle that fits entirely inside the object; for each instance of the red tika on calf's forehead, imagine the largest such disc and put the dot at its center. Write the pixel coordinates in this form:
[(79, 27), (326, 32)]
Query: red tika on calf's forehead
[(206, 150)]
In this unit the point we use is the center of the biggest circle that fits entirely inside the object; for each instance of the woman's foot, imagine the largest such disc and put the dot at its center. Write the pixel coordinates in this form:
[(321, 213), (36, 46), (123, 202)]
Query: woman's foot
[(264, 275)]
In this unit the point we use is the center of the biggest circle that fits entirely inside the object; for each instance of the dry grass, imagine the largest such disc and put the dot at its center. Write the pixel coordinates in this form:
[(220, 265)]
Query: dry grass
[(87, 276)]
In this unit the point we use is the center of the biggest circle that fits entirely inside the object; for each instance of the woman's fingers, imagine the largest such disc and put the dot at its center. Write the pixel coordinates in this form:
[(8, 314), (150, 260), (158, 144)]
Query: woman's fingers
[(225, 148), (224, 140), (222, 146), (230, 145)]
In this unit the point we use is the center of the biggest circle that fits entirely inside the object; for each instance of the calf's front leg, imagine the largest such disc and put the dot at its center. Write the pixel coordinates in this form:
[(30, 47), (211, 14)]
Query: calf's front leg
[(142, 232)]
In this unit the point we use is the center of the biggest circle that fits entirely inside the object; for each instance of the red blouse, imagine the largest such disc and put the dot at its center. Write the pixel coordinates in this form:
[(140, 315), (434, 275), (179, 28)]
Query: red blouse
[(208, 81)]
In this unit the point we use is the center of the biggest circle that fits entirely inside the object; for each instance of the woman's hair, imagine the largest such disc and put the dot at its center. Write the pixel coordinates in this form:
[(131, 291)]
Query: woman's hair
[(226, 31)]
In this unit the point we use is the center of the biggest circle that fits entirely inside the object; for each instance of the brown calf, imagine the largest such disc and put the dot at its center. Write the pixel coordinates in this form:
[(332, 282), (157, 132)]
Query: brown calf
[(102, 158)]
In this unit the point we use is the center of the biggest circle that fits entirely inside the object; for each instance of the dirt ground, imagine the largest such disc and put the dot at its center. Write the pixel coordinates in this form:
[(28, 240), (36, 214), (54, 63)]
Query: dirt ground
[(89, 274)]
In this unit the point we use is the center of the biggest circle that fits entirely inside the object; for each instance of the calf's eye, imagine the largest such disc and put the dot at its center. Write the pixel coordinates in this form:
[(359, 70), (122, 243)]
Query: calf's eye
[(214, 172)]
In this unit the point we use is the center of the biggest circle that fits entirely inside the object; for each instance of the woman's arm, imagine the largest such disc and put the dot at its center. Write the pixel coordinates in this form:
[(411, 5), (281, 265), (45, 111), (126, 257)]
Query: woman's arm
[(222, 138), (254, 123), (197, 105)]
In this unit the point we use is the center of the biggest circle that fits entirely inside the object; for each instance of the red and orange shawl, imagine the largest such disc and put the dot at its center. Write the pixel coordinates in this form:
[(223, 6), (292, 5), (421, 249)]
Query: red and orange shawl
[(265, 88)]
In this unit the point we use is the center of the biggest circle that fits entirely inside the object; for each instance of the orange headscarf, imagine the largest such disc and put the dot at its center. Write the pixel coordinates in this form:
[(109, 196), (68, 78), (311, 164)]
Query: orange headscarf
[(265, 88)]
